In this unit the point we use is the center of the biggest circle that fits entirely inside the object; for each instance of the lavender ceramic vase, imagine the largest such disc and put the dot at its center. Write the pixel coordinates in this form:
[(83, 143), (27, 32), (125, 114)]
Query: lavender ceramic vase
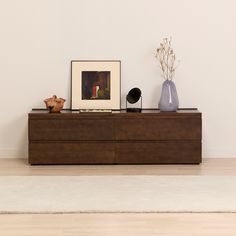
[(169, 98)]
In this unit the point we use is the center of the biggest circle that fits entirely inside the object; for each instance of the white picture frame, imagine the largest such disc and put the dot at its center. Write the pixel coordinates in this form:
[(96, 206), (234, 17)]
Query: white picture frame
[(87, 84)]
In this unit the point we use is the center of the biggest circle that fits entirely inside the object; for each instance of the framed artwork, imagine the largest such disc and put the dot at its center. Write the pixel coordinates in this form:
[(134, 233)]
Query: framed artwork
[(95, 85)]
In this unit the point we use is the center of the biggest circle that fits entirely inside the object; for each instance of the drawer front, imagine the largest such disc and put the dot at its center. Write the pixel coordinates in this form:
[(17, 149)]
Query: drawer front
[(162, 152), (158, 129), (71, 130), (71, 153)]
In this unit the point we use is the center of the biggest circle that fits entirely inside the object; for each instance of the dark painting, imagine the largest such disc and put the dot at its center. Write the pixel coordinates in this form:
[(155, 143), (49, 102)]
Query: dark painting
[(96, 85)]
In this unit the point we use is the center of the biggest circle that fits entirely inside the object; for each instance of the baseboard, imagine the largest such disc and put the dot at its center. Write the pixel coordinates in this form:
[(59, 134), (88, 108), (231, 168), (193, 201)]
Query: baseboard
[(12, 153)]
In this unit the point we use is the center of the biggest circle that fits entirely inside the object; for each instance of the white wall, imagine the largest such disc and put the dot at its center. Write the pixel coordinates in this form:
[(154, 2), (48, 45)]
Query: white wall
[(39, 38)]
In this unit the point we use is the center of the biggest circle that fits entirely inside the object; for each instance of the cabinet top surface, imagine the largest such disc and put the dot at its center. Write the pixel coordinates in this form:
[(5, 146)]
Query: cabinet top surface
[(145, 112)]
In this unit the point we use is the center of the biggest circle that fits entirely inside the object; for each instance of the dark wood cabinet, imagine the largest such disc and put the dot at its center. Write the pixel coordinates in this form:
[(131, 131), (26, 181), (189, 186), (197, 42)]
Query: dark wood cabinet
[(150, 137)]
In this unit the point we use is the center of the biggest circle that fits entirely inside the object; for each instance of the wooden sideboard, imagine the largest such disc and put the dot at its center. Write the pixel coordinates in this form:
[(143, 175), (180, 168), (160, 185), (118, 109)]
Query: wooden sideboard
[(118, 137)]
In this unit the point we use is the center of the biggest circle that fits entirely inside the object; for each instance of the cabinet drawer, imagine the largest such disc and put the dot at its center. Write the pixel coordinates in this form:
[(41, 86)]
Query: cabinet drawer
[(158, 129), (70, 130), (162, 152), (71, 153)]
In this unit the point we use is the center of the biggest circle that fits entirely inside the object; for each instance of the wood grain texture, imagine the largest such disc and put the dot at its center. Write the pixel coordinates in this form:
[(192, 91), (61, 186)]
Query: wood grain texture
[(158, 128), (161, 152), (71, 130), (119, 224), (74, 138), (71, 152), (212, 166)]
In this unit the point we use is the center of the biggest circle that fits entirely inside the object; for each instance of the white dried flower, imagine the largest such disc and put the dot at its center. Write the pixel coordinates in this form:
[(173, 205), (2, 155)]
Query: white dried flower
[(166, 56)]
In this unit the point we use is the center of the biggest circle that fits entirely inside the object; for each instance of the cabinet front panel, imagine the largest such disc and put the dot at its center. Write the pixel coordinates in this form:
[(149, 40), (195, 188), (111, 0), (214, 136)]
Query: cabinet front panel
[(162, 152), (158, 129), (71, 153), (80, 129)]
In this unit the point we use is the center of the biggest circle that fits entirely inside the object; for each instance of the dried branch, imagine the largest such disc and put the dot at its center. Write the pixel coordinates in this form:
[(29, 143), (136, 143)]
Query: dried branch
[(167, 59)]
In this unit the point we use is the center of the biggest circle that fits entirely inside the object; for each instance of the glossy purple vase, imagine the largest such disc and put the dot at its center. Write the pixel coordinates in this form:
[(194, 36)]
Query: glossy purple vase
[(169, 98)]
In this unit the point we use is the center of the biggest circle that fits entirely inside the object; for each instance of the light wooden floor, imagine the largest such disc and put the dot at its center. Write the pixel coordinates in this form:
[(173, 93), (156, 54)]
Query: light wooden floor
[(119, 224), (214, 166)]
